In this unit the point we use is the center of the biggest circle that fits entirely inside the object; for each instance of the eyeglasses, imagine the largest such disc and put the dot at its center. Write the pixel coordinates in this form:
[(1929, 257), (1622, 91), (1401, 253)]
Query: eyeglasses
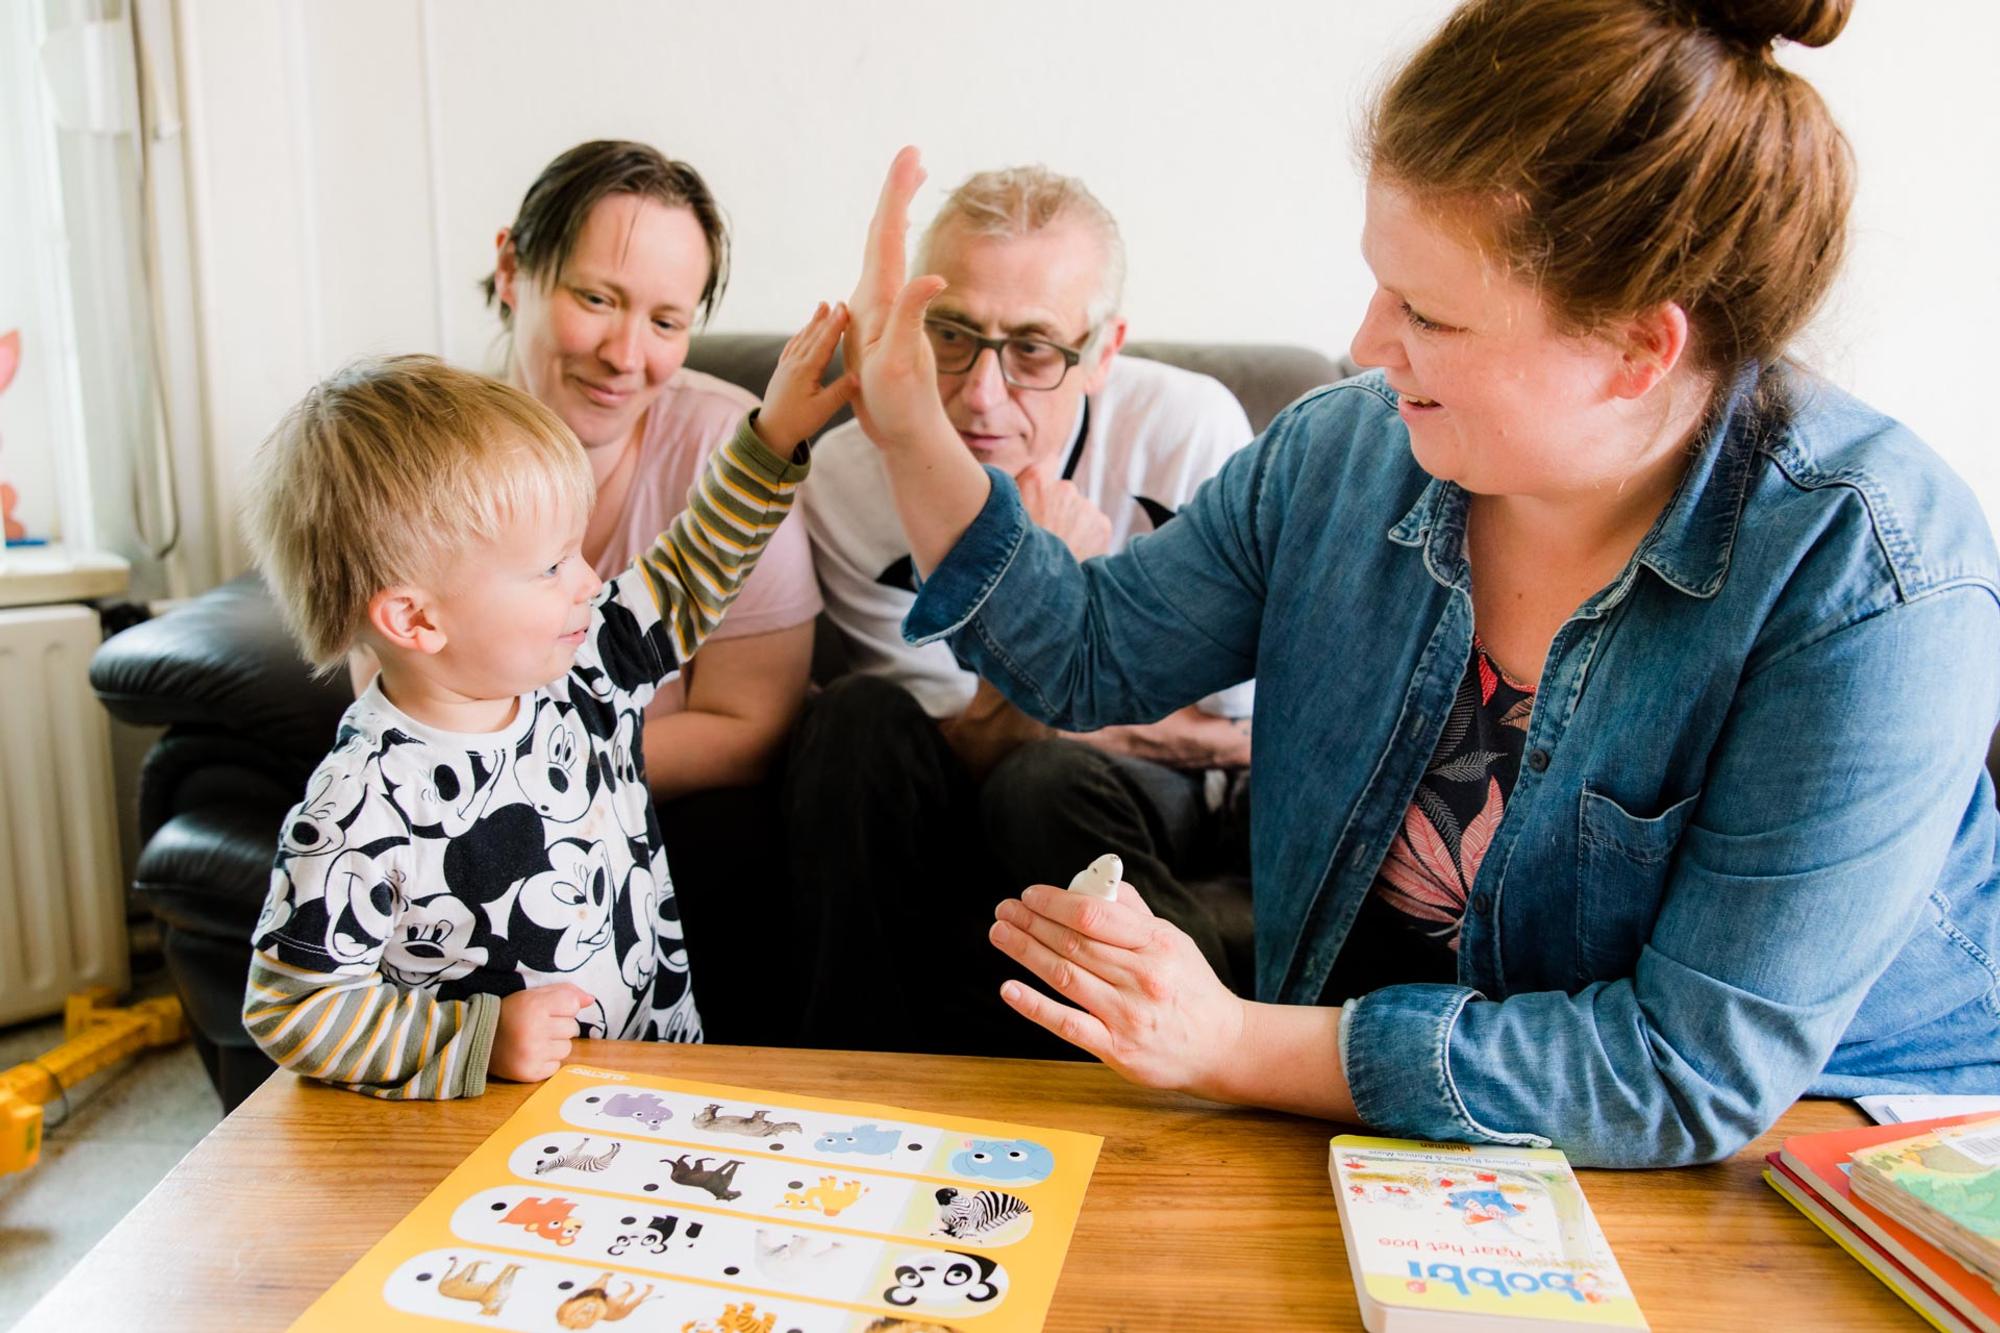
[(1025, 363)]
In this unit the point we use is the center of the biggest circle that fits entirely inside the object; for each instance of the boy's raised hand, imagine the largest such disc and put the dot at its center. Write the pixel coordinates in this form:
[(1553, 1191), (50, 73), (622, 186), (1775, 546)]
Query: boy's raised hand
[(797, 404), (536, 1028), (886, 347)]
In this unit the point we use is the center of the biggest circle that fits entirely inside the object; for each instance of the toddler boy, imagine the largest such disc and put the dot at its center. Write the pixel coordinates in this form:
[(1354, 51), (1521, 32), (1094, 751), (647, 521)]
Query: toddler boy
[(475, 872)]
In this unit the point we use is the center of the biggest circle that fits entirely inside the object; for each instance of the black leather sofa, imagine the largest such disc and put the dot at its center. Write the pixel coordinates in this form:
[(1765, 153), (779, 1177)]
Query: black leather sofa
[(246, 723)]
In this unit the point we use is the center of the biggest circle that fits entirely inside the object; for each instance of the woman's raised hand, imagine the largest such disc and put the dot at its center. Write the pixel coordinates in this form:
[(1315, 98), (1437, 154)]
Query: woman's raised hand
[(1150, 1006), (886, 347)]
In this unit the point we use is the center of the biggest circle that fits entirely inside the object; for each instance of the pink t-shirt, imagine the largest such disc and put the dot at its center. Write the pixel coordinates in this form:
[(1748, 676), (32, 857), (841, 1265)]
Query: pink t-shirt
[(692, 418)]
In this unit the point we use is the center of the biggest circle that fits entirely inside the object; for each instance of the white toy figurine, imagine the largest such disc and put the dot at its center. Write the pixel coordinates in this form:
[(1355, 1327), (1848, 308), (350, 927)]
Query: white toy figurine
[(1100, 878)]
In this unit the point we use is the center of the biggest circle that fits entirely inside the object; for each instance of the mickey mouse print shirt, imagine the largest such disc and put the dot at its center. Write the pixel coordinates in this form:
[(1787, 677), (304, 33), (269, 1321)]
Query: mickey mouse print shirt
[(428, 873)]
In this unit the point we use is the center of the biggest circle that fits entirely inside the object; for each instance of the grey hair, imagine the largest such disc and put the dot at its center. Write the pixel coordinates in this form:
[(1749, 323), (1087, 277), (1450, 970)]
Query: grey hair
[(1019, 201)]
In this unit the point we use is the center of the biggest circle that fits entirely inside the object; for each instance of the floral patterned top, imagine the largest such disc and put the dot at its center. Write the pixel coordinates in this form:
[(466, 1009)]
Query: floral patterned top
[(1407, 930)]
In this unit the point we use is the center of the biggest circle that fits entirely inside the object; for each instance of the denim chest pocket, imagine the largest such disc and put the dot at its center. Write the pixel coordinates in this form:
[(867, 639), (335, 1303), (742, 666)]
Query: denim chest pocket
[(1622, 864)]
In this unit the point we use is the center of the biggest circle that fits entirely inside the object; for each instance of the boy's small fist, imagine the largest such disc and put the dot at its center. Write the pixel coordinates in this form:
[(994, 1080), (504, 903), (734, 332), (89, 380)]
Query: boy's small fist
[(536, 1028)]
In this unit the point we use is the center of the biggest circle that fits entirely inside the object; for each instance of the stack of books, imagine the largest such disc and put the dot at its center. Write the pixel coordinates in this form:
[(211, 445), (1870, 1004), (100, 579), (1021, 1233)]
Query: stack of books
[(1918, 1204), (1943, 1184)]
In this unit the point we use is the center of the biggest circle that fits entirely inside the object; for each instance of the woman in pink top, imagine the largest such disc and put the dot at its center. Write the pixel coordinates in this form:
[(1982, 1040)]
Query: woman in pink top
[(616, 254)]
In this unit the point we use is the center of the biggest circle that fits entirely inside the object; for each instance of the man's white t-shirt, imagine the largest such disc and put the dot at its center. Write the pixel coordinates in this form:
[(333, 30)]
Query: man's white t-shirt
[(1142, 445)]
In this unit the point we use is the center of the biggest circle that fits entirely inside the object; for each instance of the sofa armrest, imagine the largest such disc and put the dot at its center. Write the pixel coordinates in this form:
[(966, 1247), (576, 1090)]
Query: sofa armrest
[(222, 661), (208, 870)]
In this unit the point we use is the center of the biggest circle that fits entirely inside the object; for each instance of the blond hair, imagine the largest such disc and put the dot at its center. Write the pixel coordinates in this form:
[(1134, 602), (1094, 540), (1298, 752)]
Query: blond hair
[(1019, 201), (387, 471), (1626, 153)]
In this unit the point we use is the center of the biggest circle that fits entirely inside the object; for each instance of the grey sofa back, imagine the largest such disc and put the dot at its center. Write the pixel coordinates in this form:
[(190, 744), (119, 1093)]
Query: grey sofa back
[(1264, 377)]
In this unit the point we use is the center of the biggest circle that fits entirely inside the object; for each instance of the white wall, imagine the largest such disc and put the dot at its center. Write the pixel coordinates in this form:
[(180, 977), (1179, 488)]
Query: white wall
[(352, 162)]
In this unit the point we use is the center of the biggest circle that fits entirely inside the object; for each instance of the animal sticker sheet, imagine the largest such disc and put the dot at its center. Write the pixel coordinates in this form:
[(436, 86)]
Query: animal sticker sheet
[(651, 1203)]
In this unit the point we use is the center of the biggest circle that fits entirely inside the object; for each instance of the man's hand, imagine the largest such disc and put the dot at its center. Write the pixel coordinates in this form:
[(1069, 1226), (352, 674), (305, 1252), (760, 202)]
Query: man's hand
[(796, 404), (536, 1028), (1186, 739), (1057, 505), (989, 730)]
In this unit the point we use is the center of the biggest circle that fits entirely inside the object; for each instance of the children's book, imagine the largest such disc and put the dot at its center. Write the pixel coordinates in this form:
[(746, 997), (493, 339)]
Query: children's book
[(1445, 1237), (1944, 1184), (1865, 1250), (1821, 1162), (662, 1204)]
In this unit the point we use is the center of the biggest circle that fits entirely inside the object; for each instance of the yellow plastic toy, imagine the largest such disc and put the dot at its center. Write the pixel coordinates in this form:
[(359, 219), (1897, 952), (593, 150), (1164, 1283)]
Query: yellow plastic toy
[(97, 1035)]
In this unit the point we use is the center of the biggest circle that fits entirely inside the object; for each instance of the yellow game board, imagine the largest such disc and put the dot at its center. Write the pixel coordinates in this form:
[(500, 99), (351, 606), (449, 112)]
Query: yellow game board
[(660, 1204)]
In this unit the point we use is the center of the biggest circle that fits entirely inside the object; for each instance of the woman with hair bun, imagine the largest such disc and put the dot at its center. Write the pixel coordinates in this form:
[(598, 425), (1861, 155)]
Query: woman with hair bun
[(1624, 689)]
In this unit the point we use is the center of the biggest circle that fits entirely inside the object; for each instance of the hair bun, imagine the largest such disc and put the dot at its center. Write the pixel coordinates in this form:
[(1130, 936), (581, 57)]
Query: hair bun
[(1759, 23)]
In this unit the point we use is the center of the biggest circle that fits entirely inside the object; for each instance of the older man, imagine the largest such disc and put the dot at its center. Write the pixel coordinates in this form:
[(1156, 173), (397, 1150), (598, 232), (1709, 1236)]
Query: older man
[(916, 796)]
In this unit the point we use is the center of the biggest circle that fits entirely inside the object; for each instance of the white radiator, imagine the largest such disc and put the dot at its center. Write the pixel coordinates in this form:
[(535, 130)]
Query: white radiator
[(62, 899)]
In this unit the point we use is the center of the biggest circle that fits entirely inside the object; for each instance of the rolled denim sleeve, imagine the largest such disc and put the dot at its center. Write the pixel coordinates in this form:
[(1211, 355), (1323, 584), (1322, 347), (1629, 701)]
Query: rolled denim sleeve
[(1122, 638), (1832, 801), (960, 585)]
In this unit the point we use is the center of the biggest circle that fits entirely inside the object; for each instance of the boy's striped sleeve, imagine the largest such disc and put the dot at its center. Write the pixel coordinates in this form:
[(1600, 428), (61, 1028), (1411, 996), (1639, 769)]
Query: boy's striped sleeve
[(698, 565), (368, 1034), (339, 1019)]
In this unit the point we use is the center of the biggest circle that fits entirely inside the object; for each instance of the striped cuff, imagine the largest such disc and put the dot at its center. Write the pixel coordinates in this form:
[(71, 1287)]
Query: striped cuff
[(482, 1023)]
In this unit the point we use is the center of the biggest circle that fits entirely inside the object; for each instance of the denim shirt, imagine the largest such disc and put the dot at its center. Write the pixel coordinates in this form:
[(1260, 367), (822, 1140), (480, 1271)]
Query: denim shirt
[(1751, 851)]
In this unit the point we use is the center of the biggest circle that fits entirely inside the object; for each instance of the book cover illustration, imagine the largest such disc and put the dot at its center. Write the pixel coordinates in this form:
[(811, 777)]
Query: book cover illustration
[(1479, 1231), (662, 1204), (1945, 1183)]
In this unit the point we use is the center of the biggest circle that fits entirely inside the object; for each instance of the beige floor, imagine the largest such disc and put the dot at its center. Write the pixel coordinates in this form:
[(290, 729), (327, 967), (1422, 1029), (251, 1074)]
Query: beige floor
[(124, 1133)]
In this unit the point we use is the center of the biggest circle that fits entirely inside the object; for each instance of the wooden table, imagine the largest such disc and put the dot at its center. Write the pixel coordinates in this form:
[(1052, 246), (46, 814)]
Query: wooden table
[(1198, 1216)]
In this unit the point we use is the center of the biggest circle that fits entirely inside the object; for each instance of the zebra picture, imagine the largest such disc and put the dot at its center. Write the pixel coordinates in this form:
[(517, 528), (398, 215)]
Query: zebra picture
[(976, 1216), (577, 1160)]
